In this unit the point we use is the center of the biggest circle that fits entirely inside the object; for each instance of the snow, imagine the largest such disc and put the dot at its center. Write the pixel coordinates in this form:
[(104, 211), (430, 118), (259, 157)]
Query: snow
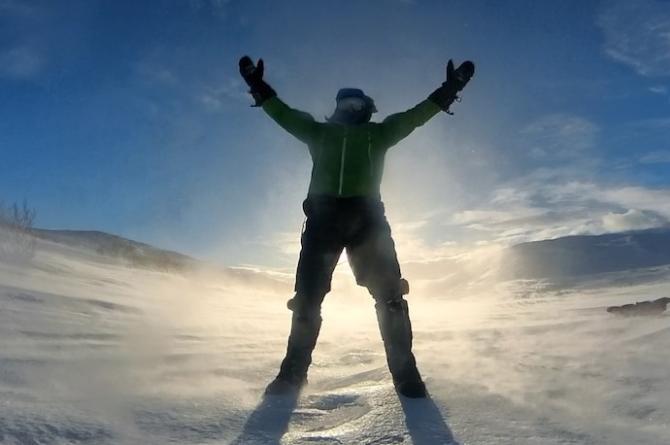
[(96, 352)]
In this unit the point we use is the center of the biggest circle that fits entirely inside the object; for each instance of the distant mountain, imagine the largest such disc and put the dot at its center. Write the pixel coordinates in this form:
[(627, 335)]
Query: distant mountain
[(143, 255), (575, 256), (135, 252)]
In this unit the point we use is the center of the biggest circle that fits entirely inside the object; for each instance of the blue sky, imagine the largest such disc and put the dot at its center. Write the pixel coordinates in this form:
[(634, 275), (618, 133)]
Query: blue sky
[(130, 117)]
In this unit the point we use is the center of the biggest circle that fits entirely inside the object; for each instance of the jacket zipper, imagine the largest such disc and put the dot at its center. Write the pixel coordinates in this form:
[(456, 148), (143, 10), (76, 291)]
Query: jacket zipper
[(370, 154), (342, 157)]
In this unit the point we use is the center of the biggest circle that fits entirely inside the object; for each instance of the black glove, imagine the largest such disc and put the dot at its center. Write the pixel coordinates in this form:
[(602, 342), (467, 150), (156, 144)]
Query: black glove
[(457, 78), (253, 76)]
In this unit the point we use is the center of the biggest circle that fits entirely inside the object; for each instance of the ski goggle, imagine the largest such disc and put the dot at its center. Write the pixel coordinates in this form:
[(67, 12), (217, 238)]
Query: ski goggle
[(352, 104)]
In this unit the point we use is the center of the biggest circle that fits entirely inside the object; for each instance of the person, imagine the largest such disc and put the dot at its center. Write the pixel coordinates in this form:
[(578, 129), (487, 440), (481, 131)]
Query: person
[(344, 210)]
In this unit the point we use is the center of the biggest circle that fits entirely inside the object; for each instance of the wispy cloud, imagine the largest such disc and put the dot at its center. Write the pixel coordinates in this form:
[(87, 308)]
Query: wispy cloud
[(18, 8), (632, 219), (638, 34), (156, 73), (21, 58), (537, 210), (659, 89), (215, 97), (21, 62), (656, 157), (659, 123), (164, 70), (559, 136)]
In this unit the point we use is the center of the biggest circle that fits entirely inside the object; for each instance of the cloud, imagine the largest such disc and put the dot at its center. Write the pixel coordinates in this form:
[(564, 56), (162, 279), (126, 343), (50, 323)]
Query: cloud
[(659, 89), (215, 97), (656, 157), (412, 245), (21, 63), (638, 34), (632, 219), (171, 71), (559, 136), (17, 8), (530, 210), (658, 123), (155, 73), (628, 197), (488, 219), (23, 56)]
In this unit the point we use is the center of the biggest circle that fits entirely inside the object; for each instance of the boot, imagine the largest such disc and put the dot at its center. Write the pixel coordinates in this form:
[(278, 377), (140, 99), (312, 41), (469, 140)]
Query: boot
[(301, 342), (396, 330)]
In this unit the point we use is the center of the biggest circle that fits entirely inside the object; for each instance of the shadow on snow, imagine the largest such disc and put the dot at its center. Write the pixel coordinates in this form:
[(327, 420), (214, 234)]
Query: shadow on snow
[(269, 421), (425, 423)]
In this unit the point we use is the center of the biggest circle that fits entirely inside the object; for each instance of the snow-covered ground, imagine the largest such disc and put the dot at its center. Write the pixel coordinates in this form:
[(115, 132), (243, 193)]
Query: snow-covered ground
[(96, 352)]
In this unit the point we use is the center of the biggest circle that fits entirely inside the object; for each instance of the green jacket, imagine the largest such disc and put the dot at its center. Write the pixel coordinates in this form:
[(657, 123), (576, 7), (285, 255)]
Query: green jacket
[(348, 160)]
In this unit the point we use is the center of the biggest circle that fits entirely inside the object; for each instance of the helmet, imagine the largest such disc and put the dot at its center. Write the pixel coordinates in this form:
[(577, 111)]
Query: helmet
[(353, 107), (348, 96)]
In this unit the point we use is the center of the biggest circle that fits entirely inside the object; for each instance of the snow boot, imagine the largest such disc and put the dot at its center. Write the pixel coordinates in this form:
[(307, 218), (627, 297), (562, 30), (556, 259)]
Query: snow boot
[(301, 342), (396, 331), (410, 384), (281, 385)]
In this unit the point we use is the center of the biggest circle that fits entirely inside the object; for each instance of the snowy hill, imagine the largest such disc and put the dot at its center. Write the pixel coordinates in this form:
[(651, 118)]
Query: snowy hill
[(98, 352), (137, 253), (104, 247), (579, 256)]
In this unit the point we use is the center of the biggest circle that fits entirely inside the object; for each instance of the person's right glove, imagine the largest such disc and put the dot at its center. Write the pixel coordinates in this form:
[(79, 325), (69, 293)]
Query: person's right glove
[(253, 76), (457, 78)]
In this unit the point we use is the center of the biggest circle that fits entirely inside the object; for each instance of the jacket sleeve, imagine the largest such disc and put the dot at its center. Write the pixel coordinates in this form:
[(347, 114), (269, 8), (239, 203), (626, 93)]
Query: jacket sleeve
[(398, 126), (300, 124)]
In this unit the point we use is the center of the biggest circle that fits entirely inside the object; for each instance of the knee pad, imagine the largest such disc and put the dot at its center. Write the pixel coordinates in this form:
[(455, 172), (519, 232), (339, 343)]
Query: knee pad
[(395, 304), (393, 292), (303, 308)]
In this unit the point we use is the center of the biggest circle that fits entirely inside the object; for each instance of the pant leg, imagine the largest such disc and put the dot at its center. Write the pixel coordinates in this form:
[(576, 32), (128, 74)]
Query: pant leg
[(373, 259), (374, 262), (322, 246), (321, 249)]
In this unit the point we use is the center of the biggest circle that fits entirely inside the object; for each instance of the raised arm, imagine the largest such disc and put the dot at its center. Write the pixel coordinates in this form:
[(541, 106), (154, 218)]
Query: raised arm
[(298, 123), (398, 126)]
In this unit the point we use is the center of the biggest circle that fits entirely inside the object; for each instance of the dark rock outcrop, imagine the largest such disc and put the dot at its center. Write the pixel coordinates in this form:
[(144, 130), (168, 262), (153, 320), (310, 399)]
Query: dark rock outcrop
[(641, 308)]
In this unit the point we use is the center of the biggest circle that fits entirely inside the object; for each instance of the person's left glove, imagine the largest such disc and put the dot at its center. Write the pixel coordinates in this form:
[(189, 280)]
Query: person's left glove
[(253, 76), (457, 79)]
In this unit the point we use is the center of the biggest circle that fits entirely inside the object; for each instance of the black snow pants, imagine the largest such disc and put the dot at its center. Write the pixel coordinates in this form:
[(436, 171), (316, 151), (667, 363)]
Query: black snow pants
[(358, 225)]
